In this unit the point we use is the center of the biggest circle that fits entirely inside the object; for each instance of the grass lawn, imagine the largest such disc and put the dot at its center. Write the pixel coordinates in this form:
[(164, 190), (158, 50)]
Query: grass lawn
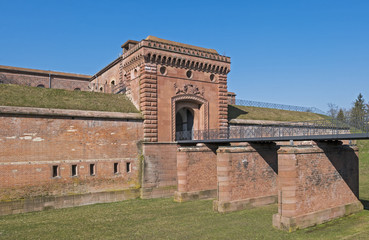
[(257, 113), (24, 96), (165, 219)]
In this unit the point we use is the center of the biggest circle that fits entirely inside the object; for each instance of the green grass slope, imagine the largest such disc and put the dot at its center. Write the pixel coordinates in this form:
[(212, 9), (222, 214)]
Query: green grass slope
[(24, 96), (256, 113)]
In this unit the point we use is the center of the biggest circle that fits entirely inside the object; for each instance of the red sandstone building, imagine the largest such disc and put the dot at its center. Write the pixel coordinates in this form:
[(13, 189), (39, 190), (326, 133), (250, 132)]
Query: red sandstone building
[(57, 158)]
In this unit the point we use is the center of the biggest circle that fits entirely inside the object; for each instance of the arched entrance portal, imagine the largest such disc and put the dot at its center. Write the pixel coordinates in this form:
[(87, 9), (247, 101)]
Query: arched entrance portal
[(189, 114), (184, 123)]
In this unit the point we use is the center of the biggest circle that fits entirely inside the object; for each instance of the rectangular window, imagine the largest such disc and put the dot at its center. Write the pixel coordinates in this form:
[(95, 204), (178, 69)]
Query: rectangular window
[(128, 167), (74, 170), (55, 171), (92, 169), (116, 168)]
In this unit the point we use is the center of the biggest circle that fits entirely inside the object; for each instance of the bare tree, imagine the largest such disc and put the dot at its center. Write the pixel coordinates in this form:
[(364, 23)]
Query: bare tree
[(332, 110)]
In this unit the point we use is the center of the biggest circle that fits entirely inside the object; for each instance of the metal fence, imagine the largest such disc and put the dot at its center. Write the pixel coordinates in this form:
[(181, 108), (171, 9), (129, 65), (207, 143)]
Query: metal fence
[(350, 128), (278, 106)]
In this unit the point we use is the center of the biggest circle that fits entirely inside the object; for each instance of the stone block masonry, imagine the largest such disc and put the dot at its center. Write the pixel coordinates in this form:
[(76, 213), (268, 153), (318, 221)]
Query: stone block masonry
[(197, 177), (247, 176), (316, 184)]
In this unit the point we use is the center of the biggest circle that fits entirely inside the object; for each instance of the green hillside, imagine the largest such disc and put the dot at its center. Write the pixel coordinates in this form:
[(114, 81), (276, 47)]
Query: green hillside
[(24, 96), (257, 113)]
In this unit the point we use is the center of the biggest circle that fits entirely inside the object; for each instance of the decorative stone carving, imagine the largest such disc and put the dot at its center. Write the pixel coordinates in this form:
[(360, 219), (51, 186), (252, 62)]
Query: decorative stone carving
[(189, 89)]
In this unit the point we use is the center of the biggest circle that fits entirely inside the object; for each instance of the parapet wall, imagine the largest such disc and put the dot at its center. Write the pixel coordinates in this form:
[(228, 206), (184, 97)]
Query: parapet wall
[(41, 78), (51, 152)]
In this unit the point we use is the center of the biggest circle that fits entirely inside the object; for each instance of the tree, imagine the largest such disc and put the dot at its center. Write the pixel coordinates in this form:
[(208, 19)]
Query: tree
[(341, 115), (359, 109), (332, 110)]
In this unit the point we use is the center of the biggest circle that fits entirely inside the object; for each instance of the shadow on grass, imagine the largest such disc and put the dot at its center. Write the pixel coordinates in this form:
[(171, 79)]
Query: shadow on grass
[(365, 204), (234, 112)]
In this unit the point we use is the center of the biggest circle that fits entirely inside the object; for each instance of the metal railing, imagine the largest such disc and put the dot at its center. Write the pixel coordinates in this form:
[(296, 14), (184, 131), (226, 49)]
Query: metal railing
[(349, 128), (277, 106)]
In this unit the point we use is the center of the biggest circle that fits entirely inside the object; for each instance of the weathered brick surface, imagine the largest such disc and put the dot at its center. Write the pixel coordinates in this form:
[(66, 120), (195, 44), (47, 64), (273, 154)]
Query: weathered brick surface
[(196, 166), (244, 173), (107, 79), (159, 170), (31, 145), (312, 181)]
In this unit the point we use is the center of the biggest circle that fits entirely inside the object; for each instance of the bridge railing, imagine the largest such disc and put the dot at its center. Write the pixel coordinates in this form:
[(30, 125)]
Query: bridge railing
[(325, 127)]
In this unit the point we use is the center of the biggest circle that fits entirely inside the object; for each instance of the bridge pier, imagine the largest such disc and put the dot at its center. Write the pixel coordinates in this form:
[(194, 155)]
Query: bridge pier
[(247, 176), (316, 184), (196, 171)]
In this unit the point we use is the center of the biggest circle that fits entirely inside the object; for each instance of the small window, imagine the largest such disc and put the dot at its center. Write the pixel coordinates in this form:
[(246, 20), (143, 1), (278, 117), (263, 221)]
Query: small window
[(55, 171), (163, 70), (41, 86), (101, 89), (128, 167), (112, 83), (77, 89), (74, 171), (116, 168), (212, 77), (189, 74), (92, 169)]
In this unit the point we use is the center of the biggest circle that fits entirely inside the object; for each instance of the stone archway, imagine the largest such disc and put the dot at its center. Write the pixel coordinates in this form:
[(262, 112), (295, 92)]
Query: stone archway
[(185, 105)]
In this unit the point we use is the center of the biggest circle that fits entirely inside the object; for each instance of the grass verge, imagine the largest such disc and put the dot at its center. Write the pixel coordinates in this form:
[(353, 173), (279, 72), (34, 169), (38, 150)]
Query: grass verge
[(257, 113), (24, 96)]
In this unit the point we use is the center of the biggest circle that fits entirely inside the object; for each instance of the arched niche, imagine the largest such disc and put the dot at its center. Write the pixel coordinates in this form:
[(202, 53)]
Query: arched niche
[(198, 108)]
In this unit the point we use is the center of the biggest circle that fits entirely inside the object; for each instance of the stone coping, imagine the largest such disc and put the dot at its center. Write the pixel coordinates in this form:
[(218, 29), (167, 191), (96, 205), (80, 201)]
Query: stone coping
[(68, 113)]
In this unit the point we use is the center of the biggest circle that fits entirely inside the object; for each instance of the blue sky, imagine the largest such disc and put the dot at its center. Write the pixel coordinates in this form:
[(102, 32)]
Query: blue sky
[(298, 52)]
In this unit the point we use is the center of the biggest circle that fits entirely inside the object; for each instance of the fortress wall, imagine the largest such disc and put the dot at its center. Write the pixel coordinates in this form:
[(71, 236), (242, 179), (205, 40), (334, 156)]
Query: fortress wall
[(38, 151), (107, 78), (197, 173), (34, 78)]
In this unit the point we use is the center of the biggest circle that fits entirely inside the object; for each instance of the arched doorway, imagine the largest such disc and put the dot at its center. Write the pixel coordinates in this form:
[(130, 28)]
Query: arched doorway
[(189, 115), (184, 123)]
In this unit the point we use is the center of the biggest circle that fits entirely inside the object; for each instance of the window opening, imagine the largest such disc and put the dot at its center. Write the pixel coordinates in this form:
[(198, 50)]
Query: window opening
[(128, 167), (74, 170), (92, 169), (55, 171), (116, 168)]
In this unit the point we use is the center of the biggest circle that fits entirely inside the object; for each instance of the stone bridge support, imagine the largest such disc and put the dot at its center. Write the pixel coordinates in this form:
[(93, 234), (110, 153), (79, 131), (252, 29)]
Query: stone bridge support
[(197, 173), (247, 176), (316, 183)]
